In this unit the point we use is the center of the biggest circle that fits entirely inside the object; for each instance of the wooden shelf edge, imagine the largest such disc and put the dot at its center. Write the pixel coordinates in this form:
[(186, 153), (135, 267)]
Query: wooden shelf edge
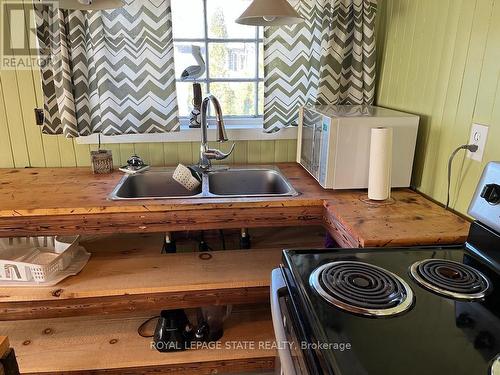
[(131, 222), (130, 303), (264, 364)]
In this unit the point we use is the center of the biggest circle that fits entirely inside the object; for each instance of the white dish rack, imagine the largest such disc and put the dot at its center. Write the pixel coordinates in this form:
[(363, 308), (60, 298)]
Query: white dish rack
[(36, 259)]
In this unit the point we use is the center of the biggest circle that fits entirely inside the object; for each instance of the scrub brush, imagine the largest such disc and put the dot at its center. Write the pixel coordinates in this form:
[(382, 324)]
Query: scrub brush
[(187, 177)]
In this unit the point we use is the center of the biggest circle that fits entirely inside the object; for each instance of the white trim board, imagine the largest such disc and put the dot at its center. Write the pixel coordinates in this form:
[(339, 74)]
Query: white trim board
[(240, 133)]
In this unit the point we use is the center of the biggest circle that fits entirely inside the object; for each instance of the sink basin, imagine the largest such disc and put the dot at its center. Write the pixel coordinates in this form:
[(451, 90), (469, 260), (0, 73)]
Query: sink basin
[(249, 182), (222, 183), (151, 185)]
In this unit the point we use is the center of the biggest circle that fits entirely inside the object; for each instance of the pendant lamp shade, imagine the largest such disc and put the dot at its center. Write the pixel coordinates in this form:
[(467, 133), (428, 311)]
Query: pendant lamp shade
[(90, 4), (269, 13)]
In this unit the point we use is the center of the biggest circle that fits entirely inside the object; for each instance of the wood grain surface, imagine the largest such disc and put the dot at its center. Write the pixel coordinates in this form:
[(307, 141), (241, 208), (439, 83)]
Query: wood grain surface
[(175, 220), (408, 219), (76, 191), (112, 345), (72, 200), (4, 345), (127, 273)]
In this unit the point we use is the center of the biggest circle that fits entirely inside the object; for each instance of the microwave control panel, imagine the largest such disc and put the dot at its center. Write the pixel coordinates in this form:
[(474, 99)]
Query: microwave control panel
[(325, 143)]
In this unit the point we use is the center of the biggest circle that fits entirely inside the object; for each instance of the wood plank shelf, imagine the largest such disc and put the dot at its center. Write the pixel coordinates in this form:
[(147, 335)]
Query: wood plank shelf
[(111, 345), (127, 273)]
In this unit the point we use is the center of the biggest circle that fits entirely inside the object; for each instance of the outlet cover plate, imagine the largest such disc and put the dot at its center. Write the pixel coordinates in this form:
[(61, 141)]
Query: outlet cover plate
[(478, 136)]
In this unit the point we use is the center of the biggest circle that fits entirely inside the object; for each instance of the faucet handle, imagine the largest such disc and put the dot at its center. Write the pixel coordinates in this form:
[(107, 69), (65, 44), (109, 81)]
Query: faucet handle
[(218, 154)]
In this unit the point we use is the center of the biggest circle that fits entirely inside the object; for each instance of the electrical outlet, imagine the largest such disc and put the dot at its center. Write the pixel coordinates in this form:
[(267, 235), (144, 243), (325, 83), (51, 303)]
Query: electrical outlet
[(39, 116), (478, 135)]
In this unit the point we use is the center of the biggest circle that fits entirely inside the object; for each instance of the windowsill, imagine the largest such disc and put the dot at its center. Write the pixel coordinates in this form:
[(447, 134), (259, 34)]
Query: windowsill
[(186, 134)]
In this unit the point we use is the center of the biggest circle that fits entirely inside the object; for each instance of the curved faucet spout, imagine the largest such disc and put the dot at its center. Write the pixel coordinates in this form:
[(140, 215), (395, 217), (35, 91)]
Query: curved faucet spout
[(221, 129), (207, 154)]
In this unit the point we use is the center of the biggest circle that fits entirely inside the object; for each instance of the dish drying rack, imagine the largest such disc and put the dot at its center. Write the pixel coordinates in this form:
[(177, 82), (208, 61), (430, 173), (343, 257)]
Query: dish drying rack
[(36, 259)]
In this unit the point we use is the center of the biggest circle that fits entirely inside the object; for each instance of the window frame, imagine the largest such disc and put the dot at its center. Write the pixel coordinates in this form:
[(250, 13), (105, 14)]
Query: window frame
[(240, 127), (231, 120)]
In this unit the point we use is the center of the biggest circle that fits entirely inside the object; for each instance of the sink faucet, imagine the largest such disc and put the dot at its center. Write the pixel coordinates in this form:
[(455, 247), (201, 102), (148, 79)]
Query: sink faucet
[(206, 153)]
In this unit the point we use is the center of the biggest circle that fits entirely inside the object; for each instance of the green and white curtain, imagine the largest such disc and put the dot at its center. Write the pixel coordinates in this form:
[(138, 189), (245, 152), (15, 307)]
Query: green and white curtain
[(328, 59), (110, 72)]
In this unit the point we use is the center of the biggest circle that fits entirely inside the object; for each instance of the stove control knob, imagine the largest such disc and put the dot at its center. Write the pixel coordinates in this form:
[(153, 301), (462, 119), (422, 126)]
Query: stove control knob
[(491, 193)]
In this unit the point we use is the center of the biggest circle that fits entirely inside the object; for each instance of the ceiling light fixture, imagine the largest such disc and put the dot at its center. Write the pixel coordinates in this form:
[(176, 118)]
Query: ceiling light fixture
[(269, 13)]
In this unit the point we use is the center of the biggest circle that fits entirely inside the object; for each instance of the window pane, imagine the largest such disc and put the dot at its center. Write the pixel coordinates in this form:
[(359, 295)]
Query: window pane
[(236, 98), (185, 97), (184, 58), (187, 19), (221, 15), (261, 98), (261, 60), (232, 60)]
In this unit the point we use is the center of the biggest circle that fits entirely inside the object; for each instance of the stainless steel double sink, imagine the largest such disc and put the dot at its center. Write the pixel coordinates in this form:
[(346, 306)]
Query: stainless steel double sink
[(222, 182)]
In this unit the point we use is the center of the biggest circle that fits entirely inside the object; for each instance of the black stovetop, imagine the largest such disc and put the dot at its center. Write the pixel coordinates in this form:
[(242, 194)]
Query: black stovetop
[(437, 335)]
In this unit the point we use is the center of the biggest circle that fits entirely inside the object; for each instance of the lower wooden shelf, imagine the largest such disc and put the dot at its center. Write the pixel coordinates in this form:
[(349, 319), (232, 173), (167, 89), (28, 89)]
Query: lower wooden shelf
[(111, 345)]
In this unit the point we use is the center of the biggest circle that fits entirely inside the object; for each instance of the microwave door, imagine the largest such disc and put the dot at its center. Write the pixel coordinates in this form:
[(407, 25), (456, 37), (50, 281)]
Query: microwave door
[(310, 153), (318, 126), (306, 153)]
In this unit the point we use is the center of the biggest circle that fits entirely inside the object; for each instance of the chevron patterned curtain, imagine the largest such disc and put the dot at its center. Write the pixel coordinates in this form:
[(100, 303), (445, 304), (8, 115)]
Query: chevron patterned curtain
[(328, 59), (111, 72)]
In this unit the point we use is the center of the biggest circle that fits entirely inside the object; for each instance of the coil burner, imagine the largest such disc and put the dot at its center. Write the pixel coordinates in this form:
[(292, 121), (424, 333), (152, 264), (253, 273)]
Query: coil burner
[(450, 279), (362, 288)]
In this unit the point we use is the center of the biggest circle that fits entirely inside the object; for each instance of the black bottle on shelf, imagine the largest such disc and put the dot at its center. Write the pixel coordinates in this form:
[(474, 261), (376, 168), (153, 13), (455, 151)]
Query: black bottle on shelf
[(173, 331)]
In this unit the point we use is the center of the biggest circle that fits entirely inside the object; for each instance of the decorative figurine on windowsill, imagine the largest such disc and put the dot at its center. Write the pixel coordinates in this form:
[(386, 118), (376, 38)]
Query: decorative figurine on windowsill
[(192, 73)]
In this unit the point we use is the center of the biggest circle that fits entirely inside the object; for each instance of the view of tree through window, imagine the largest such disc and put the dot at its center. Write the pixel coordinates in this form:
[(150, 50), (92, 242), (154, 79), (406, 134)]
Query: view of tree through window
[(233, 54)]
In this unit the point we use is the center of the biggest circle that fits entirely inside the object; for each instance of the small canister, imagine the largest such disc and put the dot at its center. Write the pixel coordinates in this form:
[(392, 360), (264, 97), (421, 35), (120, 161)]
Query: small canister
[(102, 161)]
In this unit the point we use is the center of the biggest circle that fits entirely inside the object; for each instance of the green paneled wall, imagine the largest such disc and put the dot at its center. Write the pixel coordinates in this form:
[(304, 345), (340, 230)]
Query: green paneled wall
[(441, 60), (23, 145)]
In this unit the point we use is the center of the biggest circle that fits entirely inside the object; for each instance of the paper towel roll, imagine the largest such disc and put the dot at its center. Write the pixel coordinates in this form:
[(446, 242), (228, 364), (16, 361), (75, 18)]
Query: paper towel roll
[(379, 173)]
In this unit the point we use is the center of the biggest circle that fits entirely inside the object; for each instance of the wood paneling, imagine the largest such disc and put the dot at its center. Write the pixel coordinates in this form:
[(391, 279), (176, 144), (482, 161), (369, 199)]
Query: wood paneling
[(22, 143), (439, 59)]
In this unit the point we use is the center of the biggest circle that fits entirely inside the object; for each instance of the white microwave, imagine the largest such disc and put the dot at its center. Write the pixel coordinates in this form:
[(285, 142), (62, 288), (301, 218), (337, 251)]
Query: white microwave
[(334, 143)]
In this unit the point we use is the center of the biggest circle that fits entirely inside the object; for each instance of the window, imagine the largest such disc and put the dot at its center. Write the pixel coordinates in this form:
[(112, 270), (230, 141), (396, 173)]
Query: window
[(233, 55)]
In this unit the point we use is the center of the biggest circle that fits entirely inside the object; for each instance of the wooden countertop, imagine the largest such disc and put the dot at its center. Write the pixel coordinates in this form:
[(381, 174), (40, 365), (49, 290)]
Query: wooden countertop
[(73, 200), (75, 191), (407, 219)]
